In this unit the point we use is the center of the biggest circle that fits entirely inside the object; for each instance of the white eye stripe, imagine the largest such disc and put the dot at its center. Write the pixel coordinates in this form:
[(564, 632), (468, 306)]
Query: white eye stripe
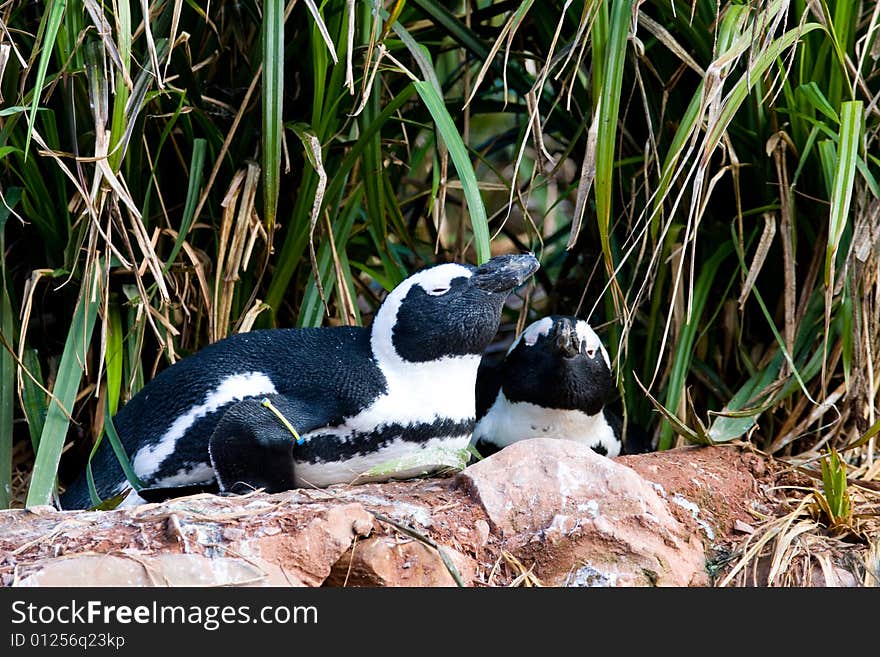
[(591, 340), (534, 331)]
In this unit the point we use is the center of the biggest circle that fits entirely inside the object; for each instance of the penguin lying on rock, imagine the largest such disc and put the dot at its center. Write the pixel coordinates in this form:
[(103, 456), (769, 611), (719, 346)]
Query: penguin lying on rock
[(355, 397), (554, 381)]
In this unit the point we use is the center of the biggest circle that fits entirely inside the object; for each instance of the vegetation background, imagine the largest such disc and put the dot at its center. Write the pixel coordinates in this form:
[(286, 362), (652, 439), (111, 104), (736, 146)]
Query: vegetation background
[(698, 179)]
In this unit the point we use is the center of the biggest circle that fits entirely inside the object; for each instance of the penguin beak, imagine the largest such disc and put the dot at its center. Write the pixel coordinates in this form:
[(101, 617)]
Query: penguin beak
[(567, 341), (504, 273)]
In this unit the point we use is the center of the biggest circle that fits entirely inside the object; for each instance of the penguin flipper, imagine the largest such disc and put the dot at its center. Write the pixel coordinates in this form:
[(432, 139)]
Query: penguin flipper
[(252, 445)]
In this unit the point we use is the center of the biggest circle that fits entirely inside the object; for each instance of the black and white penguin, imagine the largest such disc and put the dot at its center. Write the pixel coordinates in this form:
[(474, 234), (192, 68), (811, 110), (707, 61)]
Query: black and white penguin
[(357, 397), (553, 382)]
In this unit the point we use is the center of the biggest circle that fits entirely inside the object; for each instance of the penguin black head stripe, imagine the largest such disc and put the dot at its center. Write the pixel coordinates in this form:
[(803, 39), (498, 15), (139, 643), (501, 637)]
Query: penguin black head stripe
[(357, 397), (554, 382)]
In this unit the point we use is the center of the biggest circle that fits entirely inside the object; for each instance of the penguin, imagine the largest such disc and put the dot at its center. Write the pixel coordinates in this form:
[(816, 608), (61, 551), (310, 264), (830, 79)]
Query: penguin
[(554, 382), (284, 408)]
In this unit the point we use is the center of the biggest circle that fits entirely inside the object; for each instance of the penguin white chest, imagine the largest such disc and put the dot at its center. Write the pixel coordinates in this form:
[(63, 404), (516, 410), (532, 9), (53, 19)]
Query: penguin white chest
[(507, 422), (426, 412), (420, 393)]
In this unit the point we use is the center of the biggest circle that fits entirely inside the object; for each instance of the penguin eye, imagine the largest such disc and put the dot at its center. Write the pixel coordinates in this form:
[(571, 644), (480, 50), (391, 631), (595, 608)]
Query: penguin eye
[(437, 291), (591, 352)]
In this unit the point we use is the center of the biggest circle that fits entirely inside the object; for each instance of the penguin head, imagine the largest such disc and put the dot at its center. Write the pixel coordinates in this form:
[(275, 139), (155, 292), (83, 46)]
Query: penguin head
[(448, 310), (558, 362)]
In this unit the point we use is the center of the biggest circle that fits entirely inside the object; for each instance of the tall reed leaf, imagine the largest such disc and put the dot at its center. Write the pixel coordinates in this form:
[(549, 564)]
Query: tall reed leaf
[(114, 358), (7, 388), (53, 22), (196, 166), (609, 108), (121, 457), (7, 362), (685, 350), (34, 400), (70, 371), (273, 95), (460, 158), (120, 123), (844, 177)]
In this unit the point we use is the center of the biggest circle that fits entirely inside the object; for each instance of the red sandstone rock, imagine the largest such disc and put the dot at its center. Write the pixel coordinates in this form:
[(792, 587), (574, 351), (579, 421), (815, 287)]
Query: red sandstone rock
[(583, 518), (386, 561)]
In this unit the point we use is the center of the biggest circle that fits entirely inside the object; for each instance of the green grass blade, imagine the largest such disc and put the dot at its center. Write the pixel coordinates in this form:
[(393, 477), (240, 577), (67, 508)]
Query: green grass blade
[(685, 349), (114, 358), (828, 162), (70, 34), (196, 166), (845, 15), (121, 456), (441, 16), (844, 178), (835, 487), (729, 424), (7, 362), (70, 371), (288, 259), (420, 53), (460, 158), (90, 478), (34, 400), (119, 121), (7, 388), (609, 108), (814, 96), (374, 172), (55, 14), (805, 155), (273, 95), (134, 340), (779, 340), (845, 317), (868, 177), (337, 182), (729, 107), (686, 128), (744, 85), (872, 432), (119, 450)]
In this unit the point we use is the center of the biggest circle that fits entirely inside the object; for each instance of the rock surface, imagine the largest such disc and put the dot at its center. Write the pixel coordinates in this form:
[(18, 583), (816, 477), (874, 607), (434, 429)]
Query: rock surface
[(386, 561), (582, 518), (538, 512)]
